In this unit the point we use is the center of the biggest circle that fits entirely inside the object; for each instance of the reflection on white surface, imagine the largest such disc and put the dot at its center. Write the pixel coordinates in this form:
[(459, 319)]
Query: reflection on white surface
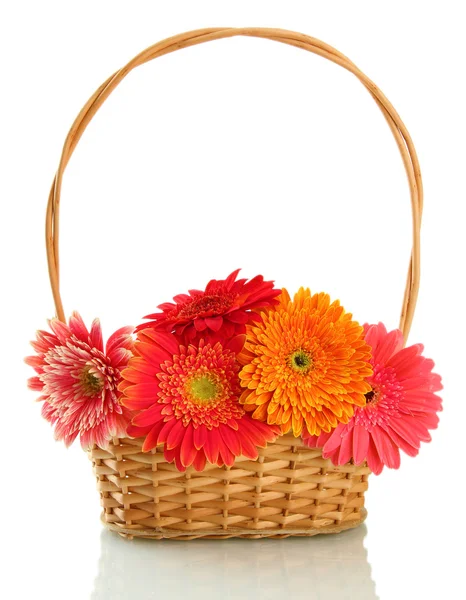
[(321, 567)]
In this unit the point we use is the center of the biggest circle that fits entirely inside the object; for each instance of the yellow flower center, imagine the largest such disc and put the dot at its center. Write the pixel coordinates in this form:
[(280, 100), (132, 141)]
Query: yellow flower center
[(202, 390), (300, 361)]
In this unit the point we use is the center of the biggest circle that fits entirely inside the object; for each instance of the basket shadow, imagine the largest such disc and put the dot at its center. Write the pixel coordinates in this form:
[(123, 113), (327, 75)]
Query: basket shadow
[(325, 566)]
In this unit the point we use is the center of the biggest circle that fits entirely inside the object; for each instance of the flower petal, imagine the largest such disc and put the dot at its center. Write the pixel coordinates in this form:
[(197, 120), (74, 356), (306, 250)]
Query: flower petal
[(177, 435), (96, 335), (211, 446), (373, 459), (360, 444), (199, 437), (148, 417), (231, 439), (188, 451), (214, 323)]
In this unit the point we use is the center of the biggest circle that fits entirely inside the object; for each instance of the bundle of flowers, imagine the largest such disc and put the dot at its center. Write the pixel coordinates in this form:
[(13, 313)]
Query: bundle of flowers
[(219, 373)]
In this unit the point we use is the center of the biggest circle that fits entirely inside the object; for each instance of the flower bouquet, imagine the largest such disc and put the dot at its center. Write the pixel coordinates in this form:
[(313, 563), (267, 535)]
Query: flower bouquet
[(216, 378), (237, 410)]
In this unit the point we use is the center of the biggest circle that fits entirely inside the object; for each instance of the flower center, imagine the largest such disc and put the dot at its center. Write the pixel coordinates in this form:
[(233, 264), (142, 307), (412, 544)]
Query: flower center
[(372, 396), (213, 304), (202, 390), (92, 383), (300, 361)]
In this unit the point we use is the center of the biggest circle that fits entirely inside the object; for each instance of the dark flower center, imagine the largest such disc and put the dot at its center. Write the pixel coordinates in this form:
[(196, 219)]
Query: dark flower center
[(91, 383), (371, 396), (206, 306), (300, 361)]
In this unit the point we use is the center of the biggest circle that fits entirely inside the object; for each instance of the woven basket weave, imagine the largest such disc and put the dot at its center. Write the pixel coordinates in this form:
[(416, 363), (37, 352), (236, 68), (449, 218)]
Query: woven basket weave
[(290, 489)]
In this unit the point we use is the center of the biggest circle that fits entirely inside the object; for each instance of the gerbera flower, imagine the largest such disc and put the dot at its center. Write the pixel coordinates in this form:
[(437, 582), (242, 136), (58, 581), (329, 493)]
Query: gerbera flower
[(401, 407), (221, 311), (78, 379), (189, 402), (305, 365)]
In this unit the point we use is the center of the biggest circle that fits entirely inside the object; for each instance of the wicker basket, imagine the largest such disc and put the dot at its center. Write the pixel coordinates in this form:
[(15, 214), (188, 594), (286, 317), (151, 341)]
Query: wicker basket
[(290, 489)]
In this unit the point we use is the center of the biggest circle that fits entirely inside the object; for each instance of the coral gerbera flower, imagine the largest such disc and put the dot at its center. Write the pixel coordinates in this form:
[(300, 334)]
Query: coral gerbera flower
[(78, 380), (401, 407), (305, 365), (219, 312), (189, 401)]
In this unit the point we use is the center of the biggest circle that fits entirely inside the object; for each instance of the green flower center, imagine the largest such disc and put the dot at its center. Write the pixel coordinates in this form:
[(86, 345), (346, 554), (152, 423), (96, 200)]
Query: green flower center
[(202, 390), (300, 361), (91, 383)]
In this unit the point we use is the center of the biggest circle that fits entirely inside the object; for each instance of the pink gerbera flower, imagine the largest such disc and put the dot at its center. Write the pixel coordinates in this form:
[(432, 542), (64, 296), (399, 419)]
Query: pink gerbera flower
[(401, 408), (78, 380), (189, 401), (221, 311)]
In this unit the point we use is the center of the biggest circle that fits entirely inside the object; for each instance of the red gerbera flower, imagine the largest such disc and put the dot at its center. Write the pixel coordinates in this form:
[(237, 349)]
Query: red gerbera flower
[(189, 401), (77, 377), (221, 311), (401, 407)]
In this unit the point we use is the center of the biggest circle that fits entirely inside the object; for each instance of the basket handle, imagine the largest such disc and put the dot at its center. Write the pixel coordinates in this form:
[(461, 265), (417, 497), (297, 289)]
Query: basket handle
[(191, 38)]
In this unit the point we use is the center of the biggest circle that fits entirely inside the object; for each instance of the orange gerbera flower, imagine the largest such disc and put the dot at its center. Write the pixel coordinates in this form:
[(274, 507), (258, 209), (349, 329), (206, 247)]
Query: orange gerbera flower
[(305, 365)]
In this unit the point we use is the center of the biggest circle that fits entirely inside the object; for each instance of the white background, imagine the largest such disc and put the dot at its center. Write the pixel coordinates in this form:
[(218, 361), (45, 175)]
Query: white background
[(240, 153)]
